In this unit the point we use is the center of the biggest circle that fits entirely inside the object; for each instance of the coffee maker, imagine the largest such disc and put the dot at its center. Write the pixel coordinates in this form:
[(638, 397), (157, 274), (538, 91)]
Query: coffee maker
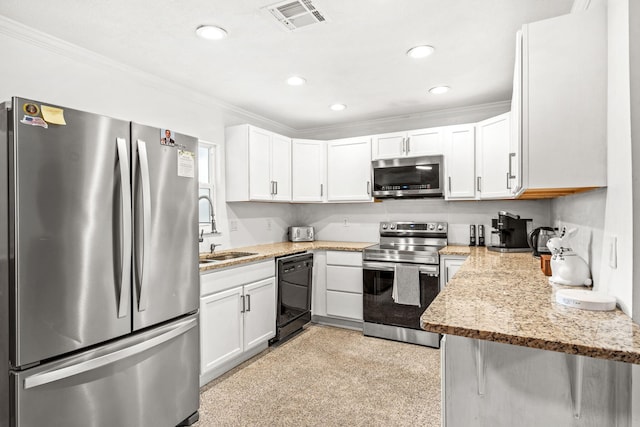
[(512, 233)]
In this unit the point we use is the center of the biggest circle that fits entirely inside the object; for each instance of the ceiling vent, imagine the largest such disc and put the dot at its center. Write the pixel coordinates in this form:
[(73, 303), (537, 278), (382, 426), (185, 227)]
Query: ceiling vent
[(293, 15)]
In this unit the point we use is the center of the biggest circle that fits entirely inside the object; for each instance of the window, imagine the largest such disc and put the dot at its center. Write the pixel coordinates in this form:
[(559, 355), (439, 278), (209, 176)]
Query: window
[(206, 177)]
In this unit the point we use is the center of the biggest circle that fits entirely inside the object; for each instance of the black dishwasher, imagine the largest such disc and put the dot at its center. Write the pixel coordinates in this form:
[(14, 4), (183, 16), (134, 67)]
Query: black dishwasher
[(294, 294)]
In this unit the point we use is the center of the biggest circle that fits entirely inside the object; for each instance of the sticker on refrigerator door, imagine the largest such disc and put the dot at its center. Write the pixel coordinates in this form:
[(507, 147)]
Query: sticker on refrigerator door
[(34, 121), (167, 138), (53, 115), (31, 109), (186, 164)]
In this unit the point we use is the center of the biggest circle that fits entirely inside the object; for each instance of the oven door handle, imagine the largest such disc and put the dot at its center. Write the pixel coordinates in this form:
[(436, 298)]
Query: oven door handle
[(391, 266)]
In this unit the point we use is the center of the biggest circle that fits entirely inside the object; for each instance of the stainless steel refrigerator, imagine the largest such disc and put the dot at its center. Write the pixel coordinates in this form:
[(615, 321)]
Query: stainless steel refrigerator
[(99, 280)]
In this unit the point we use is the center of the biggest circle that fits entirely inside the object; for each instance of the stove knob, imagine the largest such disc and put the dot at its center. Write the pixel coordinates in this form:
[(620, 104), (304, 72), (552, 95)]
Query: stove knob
[(392, 226), (431, 227), (440, 227), (384, 225)]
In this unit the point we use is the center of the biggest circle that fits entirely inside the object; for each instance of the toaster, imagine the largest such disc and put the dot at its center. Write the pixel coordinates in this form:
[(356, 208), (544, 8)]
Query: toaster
[(301, 234)]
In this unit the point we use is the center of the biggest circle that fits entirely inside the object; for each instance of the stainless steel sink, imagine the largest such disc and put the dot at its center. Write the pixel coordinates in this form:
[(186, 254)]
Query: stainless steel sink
[(207, 261), (229, 255)]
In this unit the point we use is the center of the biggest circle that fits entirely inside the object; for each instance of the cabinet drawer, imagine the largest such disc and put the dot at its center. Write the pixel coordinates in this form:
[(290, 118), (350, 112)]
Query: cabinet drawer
[(227, 278), (344, 258), (344, 279), (344, 304)]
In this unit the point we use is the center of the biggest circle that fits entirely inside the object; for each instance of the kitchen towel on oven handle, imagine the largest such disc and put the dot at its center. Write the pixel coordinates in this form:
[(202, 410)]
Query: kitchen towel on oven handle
[(406, 284)]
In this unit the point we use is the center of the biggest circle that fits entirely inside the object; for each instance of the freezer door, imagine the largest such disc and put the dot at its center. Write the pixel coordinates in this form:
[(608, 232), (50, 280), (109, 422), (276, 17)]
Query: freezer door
[(69, 228), (165, 188), (149, 379)]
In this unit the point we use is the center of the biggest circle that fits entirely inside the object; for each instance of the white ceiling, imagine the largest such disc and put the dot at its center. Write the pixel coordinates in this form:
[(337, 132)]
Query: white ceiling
[(357, 57)]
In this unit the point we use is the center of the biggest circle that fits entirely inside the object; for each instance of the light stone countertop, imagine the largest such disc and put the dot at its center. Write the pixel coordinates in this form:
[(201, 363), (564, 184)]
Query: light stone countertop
[(457, 250), (505, 298), (272, 250)]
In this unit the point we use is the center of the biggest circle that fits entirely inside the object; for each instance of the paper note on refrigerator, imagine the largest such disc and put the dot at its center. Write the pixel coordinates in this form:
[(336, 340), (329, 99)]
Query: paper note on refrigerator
[(53, 115), (186, 164)]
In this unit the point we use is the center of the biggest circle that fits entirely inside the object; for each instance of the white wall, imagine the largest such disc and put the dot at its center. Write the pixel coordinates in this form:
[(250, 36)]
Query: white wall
[(363, 218), (586, 212), (605, 215), (634, 67)]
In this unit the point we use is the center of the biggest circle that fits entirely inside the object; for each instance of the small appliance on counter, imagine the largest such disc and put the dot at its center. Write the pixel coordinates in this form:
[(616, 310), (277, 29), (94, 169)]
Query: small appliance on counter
[(511, 231), (538, 239), (301, 234), (567, 267)]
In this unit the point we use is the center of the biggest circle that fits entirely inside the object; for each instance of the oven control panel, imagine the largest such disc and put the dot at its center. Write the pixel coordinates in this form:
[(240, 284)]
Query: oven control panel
[(413, 228)]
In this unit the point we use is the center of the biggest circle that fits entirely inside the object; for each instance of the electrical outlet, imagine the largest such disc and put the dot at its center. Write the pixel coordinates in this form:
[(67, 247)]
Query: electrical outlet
[(345, 222), (233, 225), (613, 252), (268, 223)]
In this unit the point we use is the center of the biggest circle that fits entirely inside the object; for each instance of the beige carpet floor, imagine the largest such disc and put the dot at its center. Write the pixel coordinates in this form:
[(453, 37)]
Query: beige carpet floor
[(328, 376)]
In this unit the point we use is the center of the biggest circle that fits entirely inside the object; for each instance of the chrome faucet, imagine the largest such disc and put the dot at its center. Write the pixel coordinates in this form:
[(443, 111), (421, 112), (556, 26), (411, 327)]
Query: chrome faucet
[(214, 246), (211, 212)]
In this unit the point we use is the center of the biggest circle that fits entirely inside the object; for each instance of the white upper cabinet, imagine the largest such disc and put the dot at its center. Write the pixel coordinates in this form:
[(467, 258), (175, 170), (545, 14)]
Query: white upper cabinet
[(421, 142), (492, 159), (424, 142), (281, 167), (308, 170), (349, 170), (258, 165), (388, 145), (460, 158), (515, 143), (564, 103)]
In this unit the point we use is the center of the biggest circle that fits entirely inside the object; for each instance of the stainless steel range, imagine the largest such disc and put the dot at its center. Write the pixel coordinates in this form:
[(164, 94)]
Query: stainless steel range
[(400, 280)]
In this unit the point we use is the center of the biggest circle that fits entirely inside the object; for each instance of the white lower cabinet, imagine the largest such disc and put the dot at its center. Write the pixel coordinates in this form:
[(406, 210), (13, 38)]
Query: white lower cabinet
[(237, 316), (449, 265), (219, 344), (344, 285)]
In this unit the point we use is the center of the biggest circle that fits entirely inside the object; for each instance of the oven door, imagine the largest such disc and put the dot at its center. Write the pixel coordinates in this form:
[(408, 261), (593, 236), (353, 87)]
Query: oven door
[(378, 305)]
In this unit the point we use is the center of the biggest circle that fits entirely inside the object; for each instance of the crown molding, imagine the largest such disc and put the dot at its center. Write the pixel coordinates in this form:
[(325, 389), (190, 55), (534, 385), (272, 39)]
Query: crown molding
[(60, 47), (442, 117)]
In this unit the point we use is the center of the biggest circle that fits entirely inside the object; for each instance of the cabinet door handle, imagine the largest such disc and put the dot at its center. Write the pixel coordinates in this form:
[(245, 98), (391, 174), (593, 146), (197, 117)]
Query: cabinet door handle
[(408, 144), (242, 297), (508, 181), (511, 175), (271, 192), (369, 188), (276, 186), (248, 302), (321, 190), (449, 185), (478, 186), (404, 149)]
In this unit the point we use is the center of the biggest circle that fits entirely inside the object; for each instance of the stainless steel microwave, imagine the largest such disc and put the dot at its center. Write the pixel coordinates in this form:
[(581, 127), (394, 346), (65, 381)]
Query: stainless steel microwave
[(408, 177)]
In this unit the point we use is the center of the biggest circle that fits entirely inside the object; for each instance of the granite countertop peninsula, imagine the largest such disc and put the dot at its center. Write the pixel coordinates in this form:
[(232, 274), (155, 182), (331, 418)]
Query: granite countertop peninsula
[(505, 298), (272, 250)]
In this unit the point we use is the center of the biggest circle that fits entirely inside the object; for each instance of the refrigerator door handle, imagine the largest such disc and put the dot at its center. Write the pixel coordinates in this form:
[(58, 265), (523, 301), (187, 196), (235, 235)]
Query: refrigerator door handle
[(53, 375), (125, 191), (146, 220)]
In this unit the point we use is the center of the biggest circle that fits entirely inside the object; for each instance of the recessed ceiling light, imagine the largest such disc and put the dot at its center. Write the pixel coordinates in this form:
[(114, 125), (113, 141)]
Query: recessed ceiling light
[(437, 90), (210, 32), (296, 81), (338, 107), (420, 51)]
